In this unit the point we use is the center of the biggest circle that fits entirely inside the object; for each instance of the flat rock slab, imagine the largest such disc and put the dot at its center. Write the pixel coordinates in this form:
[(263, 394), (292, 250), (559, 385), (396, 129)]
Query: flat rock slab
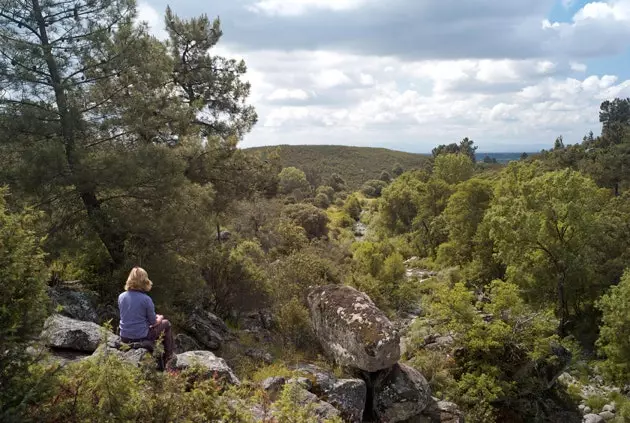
[(352, 329)]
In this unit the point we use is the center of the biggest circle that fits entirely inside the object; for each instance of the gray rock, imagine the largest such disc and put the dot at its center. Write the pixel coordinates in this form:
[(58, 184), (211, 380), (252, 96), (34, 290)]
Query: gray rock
[(259, 355), (303, 382), (79, 305), (610, 407), (439, 412), (214, 365), (352, 329), (441, 343), (65, 333), (587, 410), (348, 396), (607, 415), (400, 393), (209, 330), (322, 409), (133, 356), (184, 343), (593, 418), (273, 386)]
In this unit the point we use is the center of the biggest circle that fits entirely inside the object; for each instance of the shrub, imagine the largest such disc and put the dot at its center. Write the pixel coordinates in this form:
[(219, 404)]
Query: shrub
[(23, 308), (373, 188), (312, 219), (322, 201), (352, 206)]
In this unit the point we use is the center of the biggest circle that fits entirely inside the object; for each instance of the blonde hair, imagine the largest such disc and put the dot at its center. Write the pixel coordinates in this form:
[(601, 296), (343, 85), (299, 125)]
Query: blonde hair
[(138, 280)]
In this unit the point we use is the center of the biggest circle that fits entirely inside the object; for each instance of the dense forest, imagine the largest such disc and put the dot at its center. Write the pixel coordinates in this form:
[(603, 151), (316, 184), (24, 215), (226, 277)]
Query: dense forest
[(355, 165), (509, 282)]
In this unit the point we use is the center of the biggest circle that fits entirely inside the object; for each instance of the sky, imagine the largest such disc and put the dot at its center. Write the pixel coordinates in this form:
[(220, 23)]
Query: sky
[(411, 74)]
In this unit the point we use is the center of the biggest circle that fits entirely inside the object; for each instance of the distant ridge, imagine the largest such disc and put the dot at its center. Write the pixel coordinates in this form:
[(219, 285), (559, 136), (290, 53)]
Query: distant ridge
[(355, 165)]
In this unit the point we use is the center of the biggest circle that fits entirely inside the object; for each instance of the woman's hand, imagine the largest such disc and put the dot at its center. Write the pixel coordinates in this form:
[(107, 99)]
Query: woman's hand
[(158, 320)]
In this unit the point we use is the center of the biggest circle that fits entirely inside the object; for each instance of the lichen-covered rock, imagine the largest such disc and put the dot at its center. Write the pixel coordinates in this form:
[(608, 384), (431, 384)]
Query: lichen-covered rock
[(348, 396), (352, 329), (79, 305), (215, 366), (65, 333), (399, 394), (209, 330)]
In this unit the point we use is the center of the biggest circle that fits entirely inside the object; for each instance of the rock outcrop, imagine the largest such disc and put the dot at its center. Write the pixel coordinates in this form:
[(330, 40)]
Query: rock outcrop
[(62, 332), (79, 305), (399, 394), (352, 329), (207, 329), (210, 363), (439, 412), (346, 395)]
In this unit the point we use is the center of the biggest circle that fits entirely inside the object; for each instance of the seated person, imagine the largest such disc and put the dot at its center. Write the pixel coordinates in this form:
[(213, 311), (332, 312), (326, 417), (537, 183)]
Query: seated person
[(138, 321)]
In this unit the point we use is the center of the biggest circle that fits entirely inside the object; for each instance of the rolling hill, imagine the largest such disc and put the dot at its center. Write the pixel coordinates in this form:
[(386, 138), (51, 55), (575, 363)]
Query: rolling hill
[(354, 164)]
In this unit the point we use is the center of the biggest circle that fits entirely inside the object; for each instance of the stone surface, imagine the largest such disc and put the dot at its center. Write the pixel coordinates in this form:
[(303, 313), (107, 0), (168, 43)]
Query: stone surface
[(259, 355), (348, 396), (134, 356), (593, 418), (215, 366), (352, 329), (399, 394), (439, 412), (607, 415), (184, 343), (609, 407), (207, 329), (273, 386), (65, 333), (79, 305)]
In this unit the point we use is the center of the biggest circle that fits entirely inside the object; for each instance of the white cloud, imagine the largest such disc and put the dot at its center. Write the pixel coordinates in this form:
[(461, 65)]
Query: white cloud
[(299, 7), (155, 20), (330, 78), (578, 67), (288, 94)]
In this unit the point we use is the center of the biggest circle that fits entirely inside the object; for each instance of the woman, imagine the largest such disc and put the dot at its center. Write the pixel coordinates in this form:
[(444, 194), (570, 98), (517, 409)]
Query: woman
[(138, 321)]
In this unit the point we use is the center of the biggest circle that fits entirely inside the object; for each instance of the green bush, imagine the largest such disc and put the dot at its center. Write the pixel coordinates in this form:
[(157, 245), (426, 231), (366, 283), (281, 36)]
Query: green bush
[(322, 201), (23, 308), (313, 220)]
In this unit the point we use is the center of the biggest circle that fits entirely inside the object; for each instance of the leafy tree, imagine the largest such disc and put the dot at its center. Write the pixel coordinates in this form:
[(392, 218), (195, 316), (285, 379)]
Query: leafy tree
[(397, 170), (463, 214), (615, 119), (502, 341), (614, 342), (453, 168), (23, 308), (559, 143), (313, 220), (293, 179), (385, 177), (337, 183), (118, 125), (546, 230), (524, 156), (327, 191), (400, 203), (466, 147), (322, 201), (373, 188), (489, 160), (352, 206)]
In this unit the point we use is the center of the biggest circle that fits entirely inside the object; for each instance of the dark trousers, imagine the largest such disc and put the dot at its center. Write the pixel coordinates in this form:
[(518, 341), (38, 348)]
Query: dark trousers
[(164, 327)]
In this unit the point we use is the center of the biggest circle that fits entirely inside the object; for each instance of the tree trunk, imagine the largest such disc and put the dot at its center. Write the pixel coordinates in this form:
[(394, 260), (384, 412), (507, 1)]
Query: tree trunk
[(111, 238)]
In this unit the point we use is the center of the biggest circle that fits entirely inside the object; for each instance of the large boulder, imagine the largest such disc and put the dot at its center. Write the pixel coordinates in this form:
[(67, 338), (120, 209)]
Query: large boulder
[(352, 329), (185, 343), (79, 305), (399, 394), (62, 332), (209, 330), (213, 366), (133, 356)]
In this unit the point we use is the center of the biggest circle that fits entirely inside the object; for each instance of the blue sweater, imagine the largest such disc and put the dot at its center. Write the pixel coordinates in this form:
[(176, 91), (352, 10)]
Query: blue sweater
[(137, 313)]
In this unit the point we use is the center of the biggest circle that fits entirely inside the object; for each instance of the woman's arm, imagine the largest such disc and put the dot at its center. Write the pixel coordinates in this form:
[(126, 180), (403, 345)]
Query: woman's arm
[(152, 318)]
